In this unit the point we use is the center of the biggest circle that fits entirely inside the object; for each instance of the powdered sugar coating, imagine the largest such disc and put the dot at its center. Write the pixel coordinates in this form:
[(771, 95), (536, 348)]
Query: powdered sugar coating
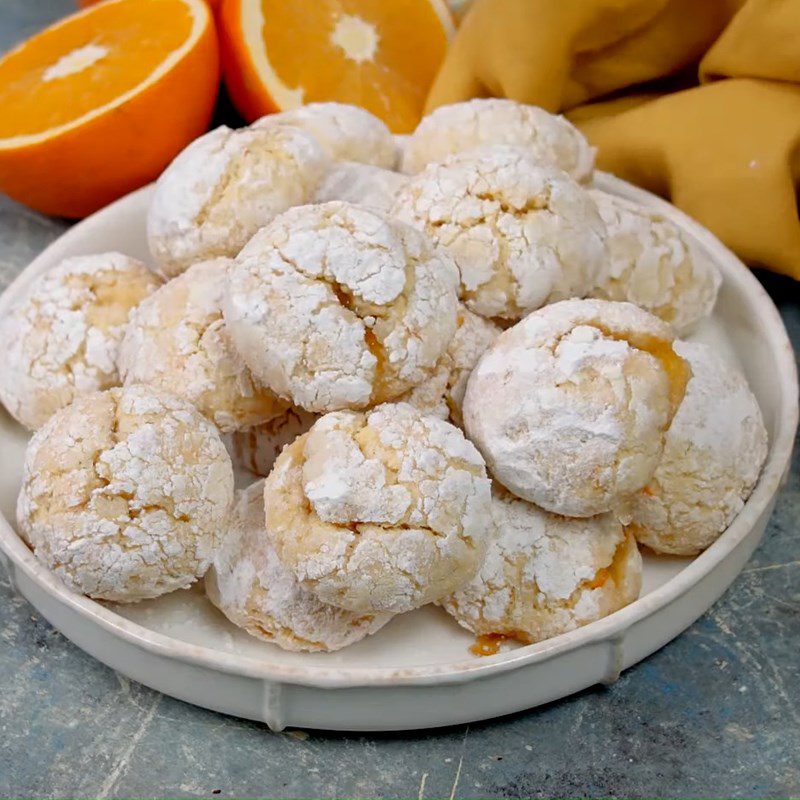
[(401, 142), (345, 132), (523, 234), (254, 450), (545, 575), (62, 340), (430, 397), (651, 264), (362, 184), (443, 394), (714, 451), (570, 406), (336, 306), (248, 583), (176, 341), (125, 493), (551, 140), (224, 186), (381, 511)]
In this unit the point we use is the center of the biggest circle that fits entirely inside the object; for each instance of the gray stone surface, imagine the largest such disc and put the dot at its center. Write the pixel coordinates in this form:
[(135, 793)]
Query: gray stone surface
[(715, 713)]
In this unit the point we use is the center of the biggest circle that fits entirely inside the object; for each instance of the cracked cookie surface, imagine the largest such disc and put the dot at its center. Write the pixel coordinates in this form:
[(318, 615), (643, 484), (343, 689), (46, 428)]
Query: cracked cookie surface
[(545, 574), (713, 454), (176, 341), (345, 132), (652, 265), (248, 583), (336, 306), (382, 511), (443, 393), (224, 186), (570, 406), (125, 494), (523, 234), (62, 340), (550, 139)]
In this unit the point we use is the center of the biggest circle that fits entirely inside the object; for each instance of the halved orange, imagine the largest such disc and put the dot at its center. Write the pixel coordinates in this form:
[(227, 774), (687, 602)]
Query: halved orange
[(99, 103), (379, 54)]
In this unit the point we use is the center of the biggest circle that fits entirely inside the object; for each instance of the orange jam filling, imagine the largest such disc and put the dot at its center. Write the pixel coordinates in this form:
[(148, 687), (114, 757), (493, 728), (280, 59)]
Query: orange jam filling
[(676, 368), (601, 576), (375, 346), (488, 644)]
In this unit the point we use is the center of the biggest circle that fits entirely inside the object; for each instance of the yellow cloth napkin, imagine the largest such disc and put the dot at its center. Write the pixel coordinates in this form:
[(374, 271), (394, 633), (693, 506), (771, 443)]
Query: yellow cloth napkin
[(727, 151)]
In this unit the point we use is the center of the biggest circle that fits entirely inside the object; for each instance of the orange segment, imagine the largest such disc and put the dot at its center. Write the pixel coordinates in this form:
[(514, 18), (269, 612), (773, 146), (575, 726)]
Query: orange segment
[(278, 54), (99, 103)]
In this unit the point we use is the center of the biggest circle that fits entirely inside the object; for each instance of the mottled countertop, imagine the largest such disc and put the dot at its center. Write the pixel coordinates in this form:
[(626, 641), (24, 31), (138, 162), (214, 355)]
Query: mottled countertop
[(714, 713)]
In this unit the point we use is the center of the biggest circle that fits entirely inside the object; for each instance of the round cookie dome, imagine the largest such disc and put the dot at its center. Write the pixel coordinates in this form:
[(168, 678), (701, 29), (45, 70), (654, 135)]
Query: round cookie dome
[(248, 583), (651, 264), (545, 574), (361, 184), (714, 451), (443, 393), (345, 132), (176, 341), (550, 139), (62, 340), (382, 511), (522, 233), (224, 186), (570, 406), (125, 493), (336, 306)]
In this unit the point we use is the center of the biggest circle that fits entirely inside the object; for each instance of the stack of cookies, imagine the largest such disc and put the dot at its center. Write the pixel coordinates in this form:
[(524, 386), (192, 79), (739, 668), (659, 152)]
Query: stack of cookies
[(443, 368)]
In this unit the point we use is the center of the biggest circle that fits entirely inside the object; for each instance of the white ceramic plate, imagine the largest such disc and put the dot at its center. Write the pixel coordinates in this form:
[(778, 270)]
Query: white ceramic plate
[(417, 672)]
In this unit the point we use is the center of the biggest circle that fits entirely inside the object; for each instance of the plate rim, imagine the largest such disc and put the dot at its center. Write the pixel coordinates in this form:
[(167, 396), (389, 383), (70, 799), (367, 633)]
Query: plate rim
[(609, 628)]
